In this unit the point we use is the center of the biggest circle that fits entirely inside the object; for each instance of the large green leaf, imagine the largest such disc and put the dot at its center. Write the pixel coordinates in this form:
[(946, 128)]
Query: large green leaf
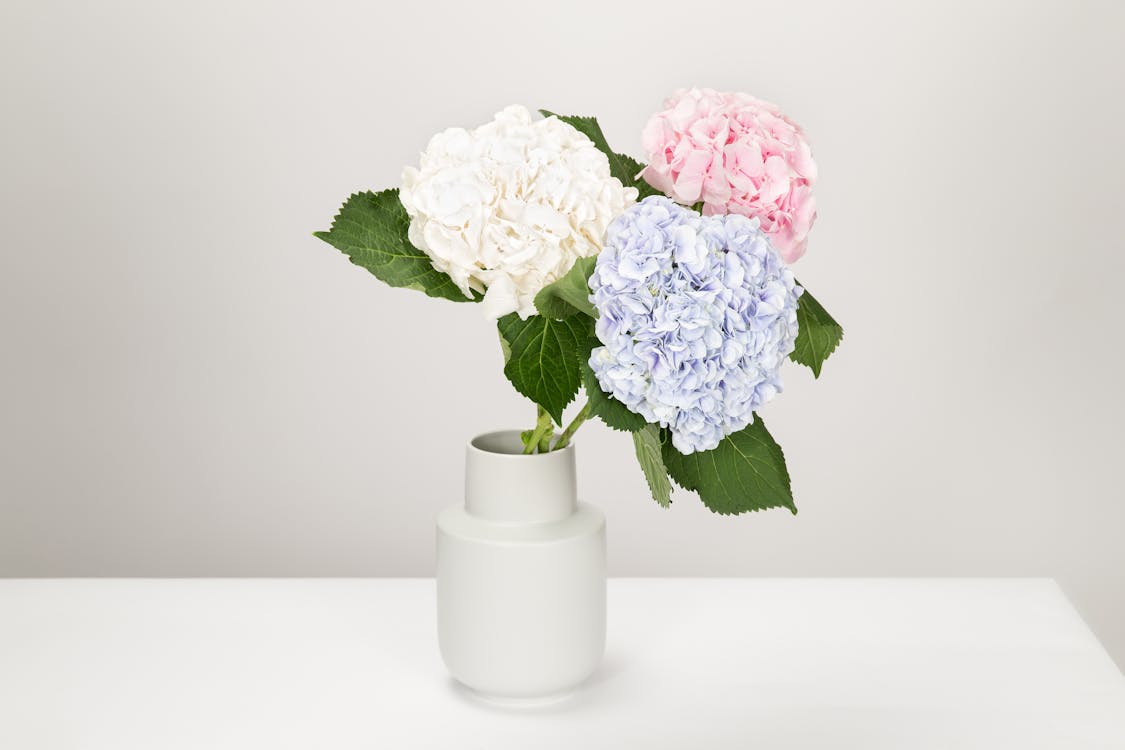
[(569, 295), (746, 472), (544, 357), (604, 406), (818, 334), (647, 444), (621, 166), (371, 230)]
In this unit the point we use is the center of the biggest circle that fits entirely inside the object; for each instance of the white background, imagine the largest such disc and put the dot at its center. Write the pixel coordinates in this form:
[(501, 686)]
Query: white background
[(191, 384)]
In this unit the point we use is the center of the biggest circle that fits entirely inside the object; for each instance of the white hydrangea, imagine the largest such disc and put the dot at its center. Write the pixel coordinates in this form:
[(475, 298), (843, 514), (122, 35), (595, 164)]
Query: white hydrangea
[(507, 208)]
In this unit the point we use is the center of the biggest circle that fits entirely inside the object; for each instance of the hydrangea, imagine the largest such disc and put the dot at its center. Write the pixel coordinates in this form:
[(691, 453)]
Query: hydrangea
[(736, 154), (507, 208), (696, 315)]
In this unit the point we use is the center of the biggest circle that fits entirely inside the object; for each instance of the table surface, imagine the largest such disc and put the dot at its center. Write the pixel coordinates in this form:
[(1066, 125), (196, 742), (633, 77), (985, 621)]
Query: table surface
[(690, 663)]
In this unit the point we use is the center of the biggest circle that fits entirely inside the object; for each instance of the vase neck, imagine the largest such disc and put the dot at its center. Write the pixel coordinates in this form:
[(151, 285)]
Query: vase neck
[(505, 486)]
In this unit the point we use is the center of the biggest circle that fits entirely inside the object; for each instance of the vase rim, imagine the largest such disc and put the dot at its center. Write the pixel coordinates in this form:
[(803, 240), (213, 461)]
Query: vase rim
[(507, 444)]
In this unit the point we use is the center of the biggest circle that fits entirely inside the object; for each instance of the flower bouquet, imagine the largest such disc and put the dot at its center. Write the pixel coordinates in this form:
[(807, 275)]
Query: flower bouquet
[(662, 289)]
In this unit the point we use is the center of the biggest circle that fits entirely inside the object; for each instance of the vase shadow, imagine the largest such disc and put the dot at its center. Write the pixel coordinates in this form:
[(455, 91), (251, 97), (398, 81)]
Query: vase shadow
[(590, 692)]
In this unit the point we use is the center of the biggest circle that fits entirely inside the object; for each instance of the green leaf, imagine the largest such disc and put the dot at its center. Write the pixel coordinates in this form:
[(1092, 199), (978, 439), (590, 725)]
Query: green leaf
[(621, 166), (505, 348), (604, 406), (544, 360), (371, 230), (647, 444), (746, 472), (570, 294), (818, 334), (635, 167)]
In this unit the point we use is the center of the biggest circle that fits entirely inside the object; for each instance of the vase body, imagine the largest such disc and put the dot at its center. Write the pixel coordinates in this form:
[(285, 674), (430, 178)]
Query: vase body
[(521, 575)]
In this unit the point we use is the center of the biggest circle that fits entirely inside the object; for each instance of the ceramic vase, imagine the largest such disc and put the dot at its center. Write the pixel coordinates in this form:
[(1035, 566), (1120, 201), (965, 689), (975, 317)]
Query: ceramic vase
[(521, 575)]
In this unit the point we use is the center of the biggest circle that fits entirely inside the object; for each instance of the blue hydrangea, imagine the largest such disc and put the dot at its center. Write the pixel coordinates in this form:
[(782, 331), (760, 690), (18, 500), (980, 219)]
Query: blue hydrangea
[(696, 315)]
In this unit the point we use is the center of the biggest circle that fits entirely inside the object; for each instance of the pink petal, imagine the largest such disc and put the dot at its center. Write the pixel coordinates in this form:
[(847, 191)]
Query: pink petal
[(689, 182), (777, 179), (802, 161)]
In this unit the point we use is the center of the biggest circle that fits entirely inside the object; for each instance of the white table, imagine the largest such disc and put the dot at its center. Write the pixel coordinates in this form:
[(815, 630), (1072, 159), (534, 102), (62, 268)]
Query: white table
[(690, 663)]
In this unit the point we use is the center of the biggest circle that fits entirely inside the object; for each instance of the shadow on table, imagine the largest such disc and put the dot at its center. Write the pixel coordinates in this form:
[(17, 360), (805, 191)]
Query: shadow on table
[(612, 667)]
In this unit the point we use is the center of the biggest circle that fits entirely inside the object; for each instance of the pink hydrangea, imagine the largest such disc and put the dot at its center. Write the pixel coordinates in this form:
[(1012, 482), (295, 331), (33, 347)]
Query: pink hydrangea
[(737, 155)]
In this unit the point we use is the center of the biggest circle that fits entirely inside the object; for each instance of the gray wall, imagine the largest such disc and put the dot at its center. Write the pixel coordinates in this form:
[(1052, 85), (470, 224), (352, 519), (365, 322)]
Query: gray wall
[(193, 385)]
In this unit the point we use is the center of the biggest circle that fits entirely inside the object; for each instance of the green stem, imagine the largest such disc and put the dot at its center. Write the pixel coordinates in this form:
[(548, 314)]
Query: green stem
[(542, 432), (545, 440), (568, 433)]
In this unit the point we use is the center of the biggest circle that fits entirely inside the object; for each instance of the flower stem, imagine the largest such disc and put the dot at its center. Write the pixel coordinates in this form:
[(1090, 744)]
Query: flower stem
[(568, 433), (541, 435), (545, 438)]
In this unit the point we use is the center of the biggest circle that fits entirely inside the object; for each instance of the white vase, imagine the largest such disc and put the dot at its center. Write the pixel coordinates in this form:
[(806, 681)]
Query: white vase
[(520, 575)]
